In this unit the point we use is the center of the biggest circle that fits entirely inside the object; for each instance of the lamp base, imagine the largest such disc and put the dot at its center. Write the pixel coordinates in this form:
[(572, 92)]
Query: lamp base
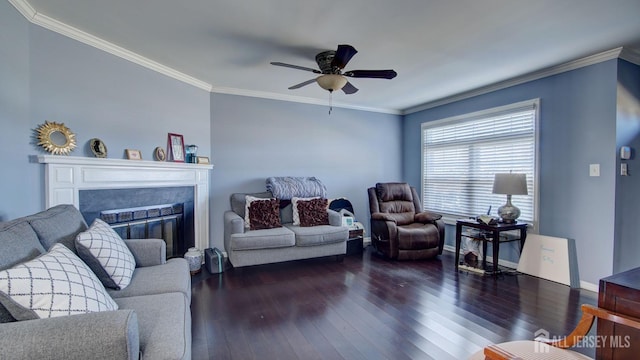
[(508, 212)]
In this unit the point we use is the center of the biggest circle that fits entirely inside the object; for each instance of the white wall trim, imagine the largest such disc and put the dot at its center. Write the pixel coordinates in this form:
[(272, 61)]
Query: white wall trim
[(589, 286), (546, 72), (631, 55), (65, 176)]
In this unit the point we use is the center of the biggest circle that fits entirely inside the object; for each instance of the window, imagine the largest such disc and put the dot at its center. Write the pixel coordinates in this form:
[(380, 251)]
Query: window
[(460, 156)]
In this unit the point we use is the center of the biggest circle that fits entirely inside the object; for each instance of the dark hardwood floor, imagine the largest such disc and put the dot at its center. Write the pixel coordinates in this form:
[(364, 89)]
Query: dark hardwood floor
[(366, 307)]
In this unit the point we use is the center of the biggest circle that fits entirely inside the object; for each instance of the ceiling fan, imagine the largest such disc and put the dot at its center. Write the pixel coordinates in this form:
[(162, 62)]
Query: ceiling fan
[(331, 64)]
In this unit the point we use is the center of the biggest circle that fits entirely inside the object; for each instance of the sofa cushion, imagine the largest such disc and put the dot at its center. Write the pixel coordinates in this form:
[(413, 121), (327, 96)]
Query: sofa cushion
[(172, 276), (238, 201), (106, 254), (164, 321), (262, 213), (318, 235), (313, 212), (55, 284), (18, 243), (59, 224), (263, 239)]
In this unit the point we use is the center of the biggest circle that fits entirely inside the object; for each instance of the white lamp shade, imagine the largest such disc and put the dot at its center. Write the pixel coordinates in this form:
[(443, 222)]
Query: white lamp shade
[(510, 184), (331, 82)]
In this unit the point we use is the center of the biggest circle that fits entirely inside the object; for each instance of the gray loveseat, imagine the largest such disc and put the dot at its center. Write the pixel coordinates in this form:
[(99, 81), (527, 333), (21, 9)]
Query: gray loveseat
[(290, 242), (153, 320)]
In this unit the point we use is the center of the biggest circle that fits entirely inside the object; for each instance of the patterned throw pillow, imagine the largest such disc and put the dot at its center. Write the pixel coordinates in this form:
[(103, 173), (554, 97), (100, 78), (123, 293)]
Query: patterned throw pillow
[(264, 214), (55, 284), (294, 207), (106, 254), (313, 212)]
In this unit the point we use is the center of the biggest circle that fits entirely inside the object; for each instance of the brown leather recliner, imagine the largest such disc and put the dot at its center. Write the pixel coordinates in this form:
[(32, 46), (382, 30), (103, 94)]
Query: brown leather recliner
[(399, 228)]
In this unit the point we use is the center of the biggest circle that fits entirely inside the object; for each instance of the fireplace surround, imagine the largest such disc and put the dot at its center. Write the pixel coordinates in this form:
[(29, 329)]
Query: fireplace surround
[(66, 176)]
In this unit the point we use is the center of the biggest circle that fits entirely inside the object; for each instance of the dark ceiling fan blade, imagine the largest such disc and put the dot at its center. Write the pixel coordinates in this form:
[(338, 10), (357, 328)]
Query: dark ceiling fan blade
[(349, 88), (343, 55), (296, 67), (378, 74), (305, 83)]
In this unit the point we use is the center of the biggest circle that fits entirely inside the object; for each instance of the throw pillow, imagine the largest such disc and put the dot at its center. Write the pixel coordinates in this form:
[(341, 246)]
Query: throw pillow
[(106, 254), (54, 284), (264, 214), (313, 212), (248, 199), (294, 207)]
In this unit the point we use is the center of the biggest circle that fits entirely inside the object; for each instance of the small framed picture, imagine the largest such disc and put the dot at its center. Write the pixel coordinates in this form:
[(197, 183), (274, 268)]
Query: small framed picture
[(98, 148), (133, 154), (176, 147), (159, 154), (202, 160)]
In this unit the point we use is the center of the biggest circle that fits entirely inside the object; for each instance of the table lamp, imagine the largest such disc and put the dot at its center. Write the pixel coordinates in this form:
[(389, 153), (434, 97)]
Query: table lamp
[(509, 184)]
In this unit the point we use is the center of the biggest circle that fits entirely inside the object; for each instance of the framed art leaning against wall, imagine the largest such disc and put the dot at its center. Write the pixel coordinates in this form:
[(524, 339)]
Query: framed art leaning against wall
[(176, 147)]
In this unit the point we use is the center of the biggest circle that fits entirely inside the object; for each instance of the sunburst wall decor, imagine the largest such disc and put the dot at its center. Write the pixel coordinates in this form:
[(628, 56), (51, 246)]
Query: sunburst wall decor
[(56, 138)]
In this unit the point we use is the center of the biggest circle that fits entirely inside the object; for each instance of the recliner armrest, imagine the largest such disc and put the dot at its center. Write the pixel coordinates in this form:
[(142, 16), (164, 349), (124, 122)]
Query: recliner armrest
[(427, 217), (383, 217), (109, 334)]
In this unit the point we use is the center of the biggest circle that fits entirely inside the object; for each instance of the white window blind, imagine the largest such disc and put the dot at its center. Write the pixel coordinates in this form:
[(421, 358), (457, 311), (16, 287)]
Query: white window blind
[(462, 154)]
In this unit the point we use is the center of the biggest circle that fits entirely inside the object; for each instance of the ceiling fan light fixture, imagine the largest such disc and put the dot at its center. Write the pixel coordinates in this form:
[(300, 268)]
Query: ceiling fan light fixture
[(331, 82)]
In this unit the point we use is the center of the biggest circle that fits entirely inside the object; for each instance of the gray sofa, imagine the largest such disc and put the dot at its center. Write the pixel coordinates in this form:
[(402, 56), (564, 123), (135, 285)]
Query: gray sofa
[(290, 242), (153, 320)]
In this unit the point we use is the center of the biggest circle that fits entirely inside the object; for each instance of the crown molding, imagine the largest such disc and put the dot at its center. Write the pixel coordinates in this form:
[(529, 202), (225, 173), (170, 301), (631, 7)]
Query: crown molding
[(546, 72), (24, 8), (299, 99), (631, 55), (71, 32)]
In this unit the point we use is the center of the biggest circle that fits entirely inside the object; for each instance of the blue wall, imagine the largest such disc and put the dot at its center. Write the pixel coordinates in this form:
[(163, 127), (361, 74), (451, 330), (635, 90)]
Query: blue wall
[(256, 138), (46, 76), (17, 182), (577, 128), (627, 245)]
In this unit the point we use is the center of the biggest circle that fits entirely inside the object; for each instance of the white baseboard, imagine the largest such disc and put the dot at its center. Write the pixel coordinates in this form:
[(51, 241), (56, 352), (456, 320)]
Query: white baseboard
[(366, 241)]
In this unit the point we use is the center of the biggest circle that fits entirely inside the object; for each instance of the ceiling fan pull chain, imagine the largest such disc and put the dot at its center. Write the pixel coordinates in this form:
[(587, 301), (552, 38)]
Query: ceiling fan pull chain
[(330, 101)]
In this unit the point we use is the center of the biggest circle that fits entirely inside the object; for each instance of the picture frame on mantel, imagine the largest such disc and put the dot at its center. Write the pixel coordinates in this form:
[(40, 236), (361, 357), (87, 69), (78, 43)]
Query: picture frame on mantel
[(176, 147), (133, 154)]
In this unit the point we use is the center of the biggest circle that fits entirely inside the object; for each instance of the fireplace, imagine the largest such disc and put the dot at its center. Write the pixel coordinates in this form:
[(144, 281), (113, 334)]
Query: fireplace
[(138, 213), (156, 185)]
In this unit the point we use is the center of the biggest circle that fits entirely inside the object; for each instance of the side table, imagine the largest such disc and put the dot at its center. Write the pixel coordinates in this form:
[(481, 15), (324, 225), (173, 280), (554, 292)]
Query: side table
[(494, 232), (355, 241)]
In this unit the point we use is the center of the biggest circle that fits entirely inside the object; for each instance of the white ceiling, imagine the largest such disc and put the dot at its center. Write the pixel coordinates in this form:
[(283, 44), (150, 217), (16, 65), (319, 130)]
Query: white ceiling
[(438, 47)]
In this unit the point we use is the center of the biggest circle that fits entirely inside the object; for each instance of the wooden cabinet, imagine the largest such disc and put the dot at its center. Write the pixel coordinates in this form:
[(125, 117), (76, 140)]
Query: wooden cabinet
[(619, 293)]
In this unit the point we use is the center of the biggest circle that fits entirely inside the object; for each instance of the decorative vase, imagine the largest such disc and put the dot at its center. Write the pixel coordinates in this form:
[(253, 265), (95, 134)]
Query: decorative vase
[(194, 258)]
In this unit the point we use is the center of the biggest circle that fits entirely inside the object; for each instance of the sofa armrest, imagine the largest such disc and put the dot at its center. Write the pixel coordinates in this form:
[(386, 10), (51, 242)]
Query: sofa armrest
[(148, 252), (102, 335), (335, 218), (233, 224)]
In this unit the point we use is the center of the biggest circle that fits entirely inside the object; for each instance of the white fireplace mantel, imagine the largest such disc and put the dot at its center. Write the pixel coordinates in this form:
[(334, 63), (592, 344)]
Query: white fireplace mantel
[(65, 176)]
